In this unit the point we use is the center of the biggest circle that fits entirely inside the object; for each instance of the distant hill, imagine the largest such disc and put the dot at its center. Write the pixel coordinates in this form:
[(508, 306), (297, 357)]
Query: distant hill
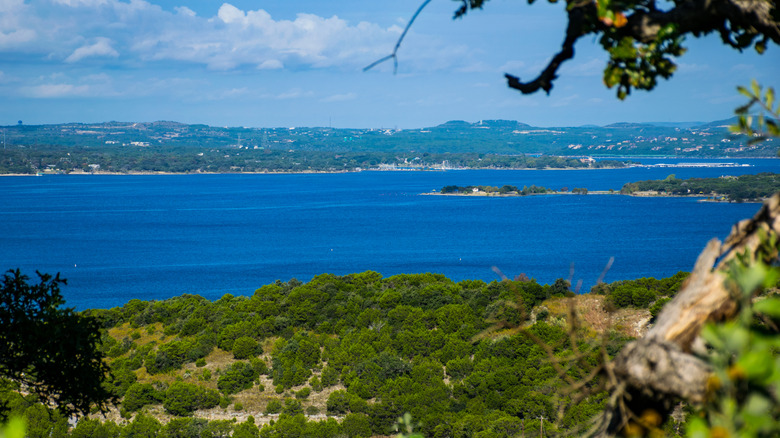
[(505, 137)]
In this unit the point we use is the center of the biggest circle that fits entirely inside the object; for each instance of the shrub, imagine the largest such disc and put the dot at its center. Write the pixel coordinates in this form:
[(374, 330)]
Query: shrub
[(303, 393), (182, 399), (315, 383), (139, 395), (246, 347), (338, 402), (274, 407), (292, 407), (329, 377), (236, 378), (655, 309)]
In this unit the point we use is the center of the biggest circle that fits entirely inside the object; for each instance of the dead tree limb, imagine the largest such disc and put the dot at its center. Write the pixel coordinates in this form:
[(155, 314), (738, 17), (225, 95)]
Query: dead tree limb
[(393, 55), (659, 370)]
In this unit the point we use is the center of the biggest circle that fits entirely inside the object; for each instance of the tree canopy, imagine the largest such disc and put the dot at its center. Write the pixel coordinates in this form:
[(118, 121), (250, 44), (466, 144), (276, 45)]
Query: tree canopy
[(642, 37), (52, 351)]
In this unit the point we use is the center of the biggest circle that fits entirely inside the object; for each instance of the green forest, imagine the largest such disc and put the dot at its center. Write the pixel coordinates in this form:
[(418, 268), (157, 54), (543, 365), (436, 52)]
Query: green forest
[(349, 355), (728, 188), (194, 159), (181, 148)]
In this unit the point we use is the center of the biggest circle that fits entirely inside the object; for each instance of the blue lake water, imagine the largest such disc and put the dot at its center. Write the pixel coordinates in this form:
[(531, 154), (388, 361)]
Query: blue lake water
[(152, 237)]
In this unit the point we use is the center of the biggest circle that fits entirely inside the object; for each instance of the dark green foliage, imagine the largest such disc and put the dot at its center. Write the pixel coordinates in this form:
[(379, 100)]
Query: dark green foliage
[(642, 292), (43, 422), (392, 342), (122, 379), (274, 406), (356, 426), (238, 377), (338, 402), (247, 429), (655, 309), (733, 188), (316, 384), (292, 407), (330, 376), (246, 347), (185, 428), (53, 350), (139, 395), (504, 190), (182, 399), (94, 428), (142, 426), (293, 359)]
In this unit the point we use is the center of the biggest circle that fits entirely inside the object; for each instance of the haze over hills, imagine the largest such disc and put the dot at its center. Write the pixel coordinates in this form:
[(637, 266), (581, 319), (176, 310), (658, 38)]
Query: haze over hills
[(485, 136), (167, 146)]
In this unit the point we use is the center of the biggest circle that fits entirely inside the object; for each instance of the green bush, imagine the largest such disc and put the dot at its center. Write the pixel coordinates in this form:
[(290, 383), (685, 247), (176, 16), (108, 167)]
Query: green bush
[(182, 399), (246, 347), (274, 406), (236, 378), (139, 395), (315, 383), (303, 393), (292, 407)]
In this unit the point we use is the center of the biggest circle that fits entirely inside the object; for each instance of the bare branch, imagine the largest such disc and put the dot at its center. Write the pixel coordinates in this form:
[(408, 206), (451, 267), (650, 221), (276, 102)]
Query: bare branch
[(393, 55), (544, 81)]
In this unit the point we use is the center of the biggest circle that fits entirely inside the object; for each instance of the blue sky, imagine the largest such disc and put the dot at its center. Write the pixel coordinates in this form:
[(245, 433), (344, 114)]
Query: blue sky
[(278, 63)]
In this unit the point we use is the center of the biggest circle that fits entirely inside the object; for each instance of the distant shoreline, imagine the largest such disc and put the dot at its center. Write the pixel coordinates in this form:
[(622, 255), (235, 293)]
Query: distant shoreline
[(702, 198), (303, 172)]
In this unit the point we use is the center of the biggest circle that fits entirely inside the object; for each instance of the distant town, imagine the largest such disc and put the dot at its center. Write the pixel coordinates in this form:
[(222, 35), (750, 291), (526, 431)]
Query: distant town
[(163, 146)]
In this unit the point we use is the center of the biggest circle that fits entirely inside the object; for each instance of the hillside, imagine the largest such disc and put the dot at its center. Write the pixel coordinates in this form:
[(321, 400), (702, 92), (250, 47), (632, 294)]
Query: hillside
[(177, 147), (349, 355)]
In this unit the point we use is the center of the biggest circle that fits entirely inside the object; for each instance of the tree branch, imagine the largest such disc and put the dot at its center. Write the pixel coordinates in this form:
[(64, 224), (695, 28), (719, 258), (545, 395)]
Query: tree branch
[(574, 31), (659, 369), (398, 43)]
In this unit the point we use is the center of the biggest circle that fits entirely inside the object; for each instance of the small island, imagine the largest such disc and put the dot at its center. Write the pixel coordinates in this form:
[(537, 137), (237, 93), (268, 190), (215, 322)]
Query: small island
[(508, 190), (744, 188)]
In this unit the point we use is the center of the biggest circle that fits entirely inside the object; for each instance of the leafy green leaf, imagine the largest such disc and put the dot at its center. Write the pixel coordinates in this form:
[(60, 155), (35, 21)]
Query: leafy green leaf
[(742, 90), (768, 306)]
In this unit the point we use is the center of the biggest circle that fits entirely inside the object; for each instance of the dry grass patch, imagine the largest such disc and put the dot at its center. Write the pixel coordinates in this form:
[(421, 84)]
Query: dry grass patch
[(590, 310), (126, 331)]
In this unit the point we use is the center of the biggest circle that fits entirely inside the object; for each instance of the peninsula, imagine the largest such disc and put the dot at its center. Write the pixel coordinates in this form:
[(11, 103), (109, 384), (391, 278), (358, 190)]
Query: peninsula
[(744, 188)]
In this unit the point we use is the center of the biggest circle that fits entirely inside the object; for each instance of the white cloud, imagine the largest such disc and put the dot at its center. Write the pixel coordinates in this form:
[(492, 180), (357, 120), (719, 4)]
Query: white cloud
[(340, 97), (270, 64), (15, 26), (16, 37), (142, 32), (46, 91), (101, 48), (295, 93), (185, 11), (79, 3)]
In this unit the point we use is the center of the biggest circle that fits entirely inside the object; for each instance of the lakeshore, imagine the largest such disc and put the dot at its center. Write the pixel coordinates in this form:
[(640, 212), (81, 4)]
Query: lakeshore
[(645, 194)]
